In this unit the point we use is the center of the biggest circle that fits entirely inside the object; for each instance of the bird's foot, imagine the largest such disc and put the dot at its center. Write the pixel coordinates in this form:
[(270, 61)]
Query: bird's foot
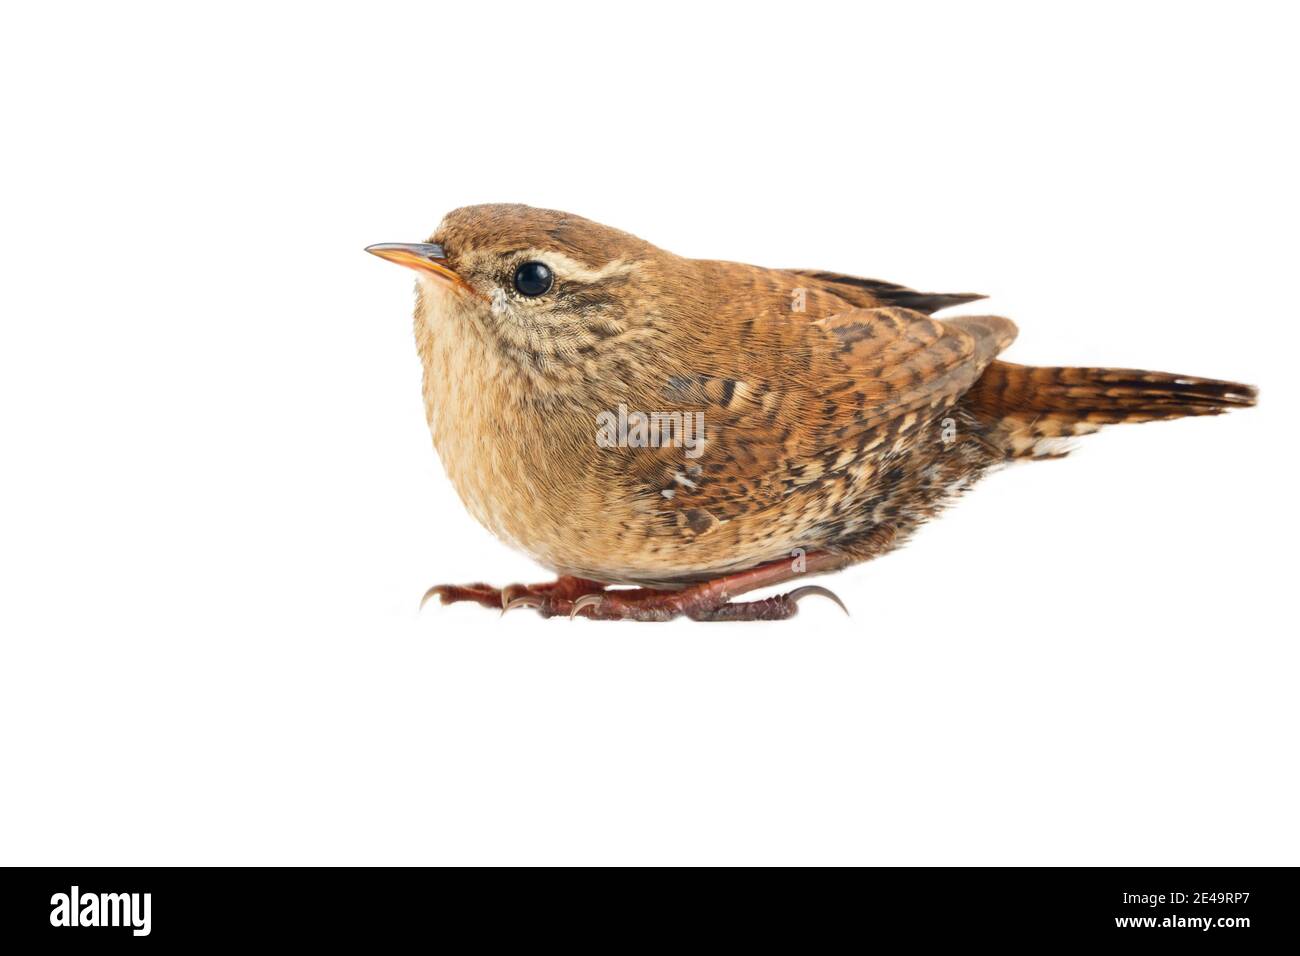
[(699, 603), (513, 595), (707, 601), (776, 608)]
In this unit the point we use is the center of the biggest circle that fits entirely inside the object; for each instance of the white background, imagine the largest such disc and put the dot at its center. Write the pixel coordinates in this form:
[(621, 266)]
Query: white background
[(221, 504)]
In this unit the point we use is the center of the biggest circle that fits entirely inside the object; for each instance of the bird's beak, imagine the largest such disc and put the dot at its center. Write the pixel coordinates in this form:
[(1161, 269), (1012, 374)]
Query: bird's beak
[(427, 257)]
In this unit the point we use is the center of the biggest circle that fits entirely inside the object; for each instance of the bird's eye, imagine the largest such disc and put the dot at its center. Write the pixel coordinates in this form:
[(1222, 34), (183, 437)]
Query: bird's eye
[(533, 279)]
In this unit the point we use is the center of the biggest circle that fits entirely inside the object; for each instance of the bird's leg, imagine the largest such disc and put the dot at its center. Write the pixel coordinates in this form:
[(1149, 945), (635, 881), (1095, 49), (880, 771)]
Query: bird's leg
[(708, 600), (513, 595)]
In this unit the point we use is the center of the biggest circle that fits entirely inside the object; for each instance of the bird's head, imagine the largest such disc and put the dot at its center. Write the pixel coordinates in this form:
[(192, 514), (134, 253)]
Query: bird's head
[(549, 290)]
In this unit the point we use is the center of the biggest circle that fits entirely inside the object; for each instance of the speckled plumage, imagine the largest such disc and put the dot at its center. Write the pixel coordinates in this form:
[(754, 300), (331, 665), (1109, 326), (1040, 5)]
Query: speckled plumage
[(838, 413)]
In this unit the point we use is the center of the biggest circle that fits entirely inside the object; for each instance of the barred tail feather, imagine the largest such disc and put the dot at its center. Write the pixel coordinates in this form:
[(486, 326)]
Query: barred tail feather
[(1033, 410)]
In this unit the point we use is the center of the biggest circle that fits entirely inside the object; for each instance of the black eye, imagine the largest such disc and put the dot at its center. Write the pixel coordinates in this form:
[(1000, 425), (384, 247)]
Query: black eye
[(533, 278)]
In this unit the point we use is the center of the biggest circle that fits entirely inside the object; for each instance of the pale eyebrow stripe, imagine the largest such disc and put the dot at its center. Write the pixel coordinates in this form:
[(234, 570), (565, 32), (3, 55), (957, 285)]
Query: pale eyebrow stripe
[(570, 268)]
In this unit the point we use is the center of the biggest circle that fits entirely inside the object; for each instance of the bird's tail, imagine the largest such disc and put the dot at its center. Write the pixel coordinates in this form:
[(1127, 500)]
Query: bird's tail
[(1032, 411)]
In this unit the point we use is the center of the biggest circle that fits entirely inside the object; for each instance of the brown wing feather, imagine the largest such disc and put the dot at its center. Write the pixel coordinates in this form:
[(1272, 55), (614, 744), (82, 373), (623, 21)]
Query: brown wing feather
[(874, 375), (873, 293)]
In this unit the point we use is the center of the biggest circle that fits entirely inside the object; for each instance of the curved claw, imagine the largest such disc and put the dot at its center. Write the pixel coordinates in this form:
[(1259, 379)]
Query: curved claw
[(509, 593), (808, 589), (436, 589), (587, 600), (527, 600)]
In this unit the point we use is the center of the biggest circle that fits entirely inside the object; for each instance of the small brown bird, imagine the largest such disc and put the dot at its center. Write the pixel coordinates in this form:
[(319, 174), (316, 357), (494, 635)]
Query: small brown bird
[(702, 429)]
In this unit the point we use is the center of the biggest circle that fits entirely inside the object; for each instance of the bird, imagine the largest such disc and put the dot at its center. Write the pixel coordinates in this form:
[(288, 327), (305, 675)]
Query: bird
[(669, 434)]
